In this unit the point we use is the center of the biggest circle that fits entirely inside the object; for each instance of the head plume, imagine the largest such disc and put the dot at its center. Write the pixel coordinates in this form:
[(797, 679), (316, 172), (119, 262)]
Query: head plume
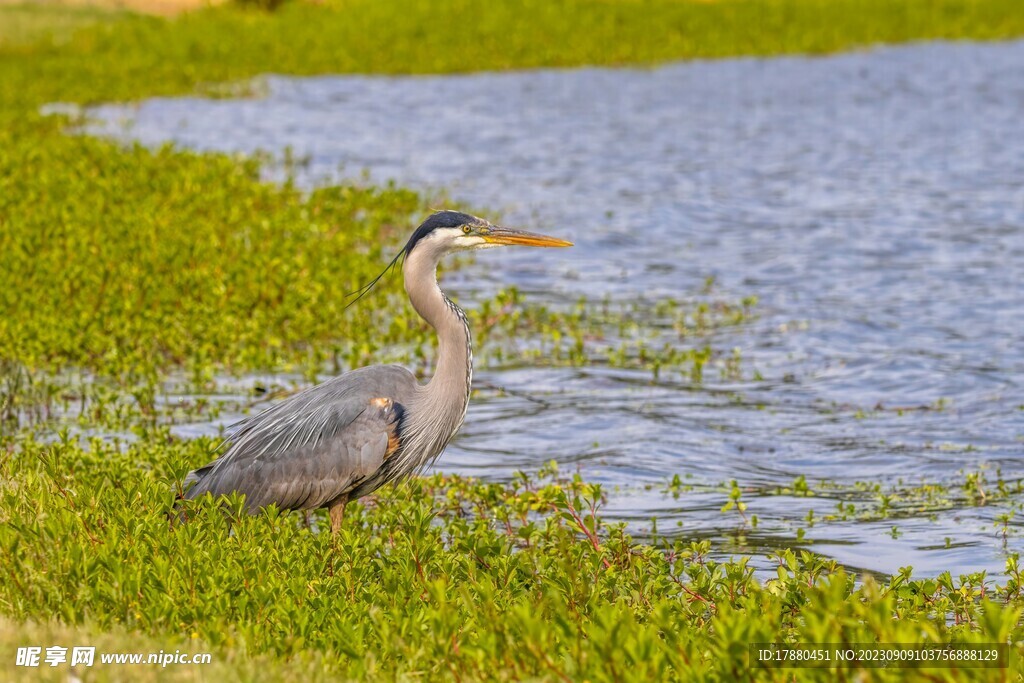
[(436, 221)]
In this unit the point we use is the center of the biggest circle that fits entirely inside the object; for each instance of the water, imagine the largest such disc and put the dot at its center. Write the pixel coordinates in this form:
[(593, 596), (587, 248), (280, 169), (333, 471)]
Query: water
[(873, 201)]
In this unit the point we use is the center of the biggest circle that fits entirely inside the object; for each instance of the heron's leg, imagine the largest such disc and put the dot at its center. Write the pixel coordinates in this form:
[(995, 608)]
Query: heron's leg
[(337, 510)]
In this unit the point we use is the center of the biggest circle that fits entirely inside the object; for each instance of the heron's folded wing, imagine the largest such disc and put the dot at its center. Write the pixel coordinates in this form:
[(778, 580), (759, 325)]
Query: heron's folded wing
[(315, 446)]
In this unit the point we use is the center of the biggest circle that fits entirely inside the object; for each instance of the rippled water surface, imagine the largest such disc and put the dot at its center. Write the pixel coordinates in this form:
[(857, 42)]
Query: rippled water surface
[(874, 202)]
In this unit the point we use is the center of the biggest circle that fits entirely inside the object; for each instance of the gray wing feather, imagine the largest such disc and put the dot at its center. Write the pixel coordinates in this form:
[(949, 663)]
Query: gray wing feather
[(314, 446)]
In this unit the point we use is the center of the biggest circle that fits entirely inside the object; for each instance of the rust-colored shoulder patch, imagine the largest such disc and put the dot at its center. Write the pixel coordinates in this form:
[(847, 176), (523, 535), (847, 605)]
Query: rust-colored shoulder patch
[(393, 442), (382, 403), (386, 405)]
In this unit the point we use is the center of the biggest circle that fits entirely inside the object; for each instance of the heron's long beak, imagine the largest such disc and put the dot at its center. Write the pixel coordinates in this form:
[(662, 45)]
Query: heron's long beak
[(498, 235)]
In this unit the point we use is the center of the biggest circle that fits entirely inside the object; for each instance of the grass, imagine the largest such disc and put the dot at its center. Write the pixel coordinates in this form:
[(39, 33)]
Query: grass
[(143, 56), (445, 578), (123, 263), (122, 266), (28, 26)]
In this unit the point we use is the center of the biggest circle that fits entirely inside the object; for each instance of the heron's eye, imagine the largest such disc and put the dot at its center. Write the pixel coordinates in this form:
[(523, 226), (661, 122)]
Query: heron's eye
[(466, 229)]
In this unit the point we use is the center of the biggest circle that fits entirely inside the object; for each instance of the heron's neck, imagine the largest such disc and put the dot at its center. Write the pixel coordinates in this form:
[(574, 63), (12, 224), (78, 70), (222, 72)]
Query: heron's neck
[(453, 374)]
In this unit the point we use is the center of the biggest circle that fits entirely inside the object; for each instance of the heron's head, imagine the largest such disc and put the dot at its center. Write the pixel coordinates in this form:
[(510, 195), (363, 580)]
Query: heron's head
[(447, 231)]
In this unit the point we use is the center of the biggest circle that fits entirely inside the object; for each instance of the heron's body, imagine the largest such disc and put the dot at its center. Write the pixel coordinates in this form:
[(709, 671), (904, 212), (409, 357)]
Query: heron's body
[(348, 436)]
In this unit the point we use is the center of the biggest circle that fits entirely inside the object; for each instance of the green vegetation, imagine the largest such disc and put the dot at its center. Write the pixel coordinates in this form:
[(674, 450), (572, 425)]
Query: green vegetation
[(999, 500), (147, 56), (123, 267), (122, 263), (443, 578), (28, 26)]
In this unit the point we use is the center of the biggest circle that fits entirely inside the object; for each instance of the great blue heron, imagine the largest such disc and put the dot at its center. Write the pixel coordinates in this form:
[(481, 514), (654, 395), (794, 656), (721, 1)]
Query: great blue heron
[(345, 438)]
